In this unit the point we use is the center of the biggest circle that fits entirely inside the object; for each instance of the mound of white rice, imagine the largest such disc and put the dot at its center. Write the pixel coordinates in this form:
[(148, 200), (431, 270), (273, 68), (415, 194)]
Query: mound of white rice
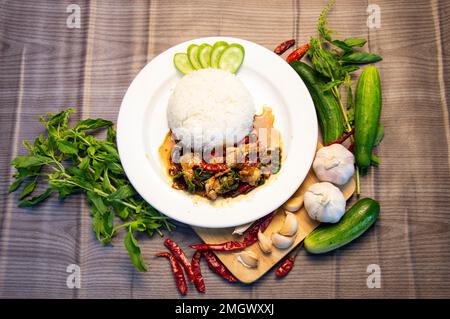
[(209, 108)]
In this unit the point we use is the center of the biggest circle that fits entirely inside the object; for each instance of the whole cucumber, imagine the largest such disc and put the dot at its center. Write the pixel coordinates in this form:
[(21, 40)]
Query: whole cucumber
[(328, 111), (367, 114), (354, 223)]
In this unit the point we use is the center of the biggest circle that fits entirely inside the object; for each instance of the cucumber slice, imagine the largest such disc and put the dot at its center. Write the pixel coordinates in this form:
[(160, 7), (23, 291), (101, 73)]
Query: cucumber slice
[(204, 55), (217, 50), (182, 63), (232, 58), (192, 53)]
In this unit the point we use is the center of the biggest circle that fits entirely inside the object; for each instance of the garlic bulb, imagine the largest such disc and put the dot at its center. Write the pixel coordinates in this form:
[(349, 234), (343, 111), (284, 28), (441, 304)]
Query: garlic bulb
[(282, 242), (334, 164), (248, 258), (264, 243), (290, 225), (325, 202)]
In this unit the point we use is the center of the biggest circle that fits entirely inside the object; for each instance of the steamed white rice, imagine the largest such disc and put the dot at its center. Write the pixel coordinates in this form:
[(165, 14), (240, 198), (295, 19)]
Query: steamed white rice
[(210, 108)]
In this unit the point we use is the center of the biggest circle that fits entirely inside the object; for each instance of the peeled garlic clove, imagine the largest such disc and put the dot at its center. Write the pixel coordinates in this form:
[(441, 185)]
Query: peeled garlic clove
[(294, 203), (282, 242), (264, 243), (248, 258), (239, 230), (290, 225)]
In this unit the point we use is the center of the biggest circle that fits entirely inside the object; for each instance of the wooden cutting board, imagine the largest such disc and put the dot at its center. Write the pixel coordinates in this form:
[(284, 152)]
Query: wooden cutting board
[(267, 261)]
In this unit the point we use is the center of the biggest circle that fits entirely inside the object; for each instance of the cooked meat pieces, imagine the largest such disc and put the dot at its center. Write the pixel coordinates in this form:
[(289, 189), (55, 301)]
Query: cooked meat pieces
[(188, 161), (211, 187), (250, 175)]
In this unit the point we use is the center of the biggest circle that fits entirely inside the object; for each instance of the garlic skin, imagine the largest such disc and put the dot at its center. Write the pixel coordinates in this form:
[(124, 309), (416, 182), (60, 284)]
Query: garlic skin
[(325, 202), (282, 242), (264, 242), (290, 225), (248, 258), (334, 164), (240, 230)]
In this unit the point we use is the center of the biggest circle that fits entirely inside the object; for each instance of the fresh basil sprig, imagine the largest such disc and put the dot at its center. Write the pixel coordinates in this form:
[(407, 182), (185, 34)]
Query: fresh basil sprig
[(68, 160)]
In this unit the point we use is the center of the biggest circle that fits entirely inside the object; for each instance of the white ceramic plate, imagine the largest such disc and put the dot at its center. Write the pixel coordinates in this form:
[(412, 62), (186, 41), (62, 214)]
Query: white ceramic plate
[(142, 126)]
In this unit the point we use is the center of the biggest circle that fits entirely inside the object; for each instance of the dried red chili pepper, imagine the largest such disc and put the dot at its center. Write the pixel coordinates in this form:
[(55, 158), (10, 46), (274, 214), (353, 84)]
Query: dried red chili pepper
[(265, 221), (213, 167), (342, 139), (298, 53), (242, 189), (352, 146), (181, 257), (252, 234), (288, 263), (245, 140), (250, 238), (216, 265), (284, 46), (198, 277), (177, 271), (260, 225), (285, 267), (227, 246)]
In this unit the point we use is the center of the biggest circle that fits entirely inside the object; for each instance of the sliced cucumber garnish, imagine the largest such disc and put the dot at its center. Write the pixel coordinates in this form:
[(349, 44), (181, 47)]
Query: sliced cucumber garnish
[(182, 63), (204, 55), (192, 53), (217, 50), (232, 58)]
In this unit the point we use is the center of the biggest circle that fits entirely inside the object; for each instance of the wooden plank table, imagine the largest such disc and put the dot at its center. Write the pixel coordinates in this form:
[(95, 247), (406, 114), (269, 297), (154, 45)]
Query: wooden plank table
[(45, 67)]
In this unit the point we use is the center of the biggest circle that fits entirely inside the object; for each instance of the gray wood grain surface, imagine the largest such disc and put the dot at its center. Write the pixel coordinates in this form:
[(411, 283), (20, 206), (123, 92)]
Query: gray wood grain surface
[(46, 67)]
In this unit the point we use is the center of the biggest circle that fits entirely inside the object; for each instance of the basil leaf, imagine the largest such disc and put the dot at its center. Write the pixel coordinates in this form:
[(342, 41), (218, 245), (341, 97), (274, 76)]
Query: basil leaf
[(92, 124), (116, 168), (84, 163), (103, 225), (134, 250), (15, 185), (355, 42), (122, 193), (350, 68), (97, 202), (361, 58), (28, 189), (37, 199), (106, 182), (111, 135), (331, 84), (342, 45), (111, 149), (26, 161), (67, 147), (124, 213), (60, 119), (138, 224)]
